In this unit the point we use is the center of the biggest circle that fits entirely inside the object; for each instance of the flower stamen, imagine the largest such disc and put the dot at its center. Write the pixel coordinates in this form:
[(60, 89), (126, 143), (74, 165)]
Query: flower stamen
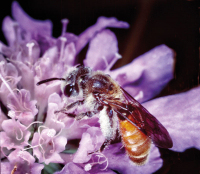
[(8, 87), (21, 135), (30, 50), (33, 123), (88, 166), (114, 60), (63, 41), (64, 25)]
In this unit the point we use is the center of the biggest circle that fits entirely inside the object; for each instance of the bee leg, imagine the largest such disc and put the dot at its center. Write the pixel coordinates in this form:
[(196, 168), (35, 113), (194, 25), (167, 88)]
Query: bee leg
[(79, 102), (104, 145), (64, 112), (108, 141), (88, 114)]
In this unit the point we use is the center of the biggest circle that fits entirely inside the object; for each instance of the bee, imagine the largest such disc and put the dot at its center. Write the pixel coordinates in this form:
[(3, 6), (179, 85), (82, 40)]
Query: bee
[(118, 112)]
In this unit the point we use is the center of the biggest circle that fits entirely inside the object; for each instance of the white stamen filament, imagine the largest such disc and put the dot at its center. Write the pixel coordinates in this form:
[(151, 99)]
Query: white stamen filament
[(59, 132), (64, 25), (114, 60), (30, 51), (17, 135), (11, 91), (105, 61), (33, 123), (99, 155), (41, 127), (63, 41), (42, 150), (31, 147)]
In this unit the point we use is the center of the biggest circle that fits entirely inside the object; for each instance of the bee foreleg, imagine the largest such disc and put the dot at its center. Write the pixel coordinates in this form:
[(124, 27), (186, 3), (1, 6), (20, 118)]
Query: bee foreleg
[(79, 102), (88, 114), (65, 112)]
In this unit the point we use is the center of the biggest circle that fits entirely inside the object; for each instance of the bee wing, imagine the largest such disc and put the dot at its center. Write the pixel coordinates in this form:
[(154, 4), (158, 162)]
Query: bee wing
[(147, 122)]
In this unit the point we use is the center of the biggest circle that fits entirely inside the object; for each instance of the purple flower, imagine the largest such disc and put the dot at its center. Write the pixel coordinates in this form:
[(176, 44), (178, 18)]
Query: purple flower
[(14, 134), (49, 146), (22, 162), (21, 107), (34, 128), (180, 115)]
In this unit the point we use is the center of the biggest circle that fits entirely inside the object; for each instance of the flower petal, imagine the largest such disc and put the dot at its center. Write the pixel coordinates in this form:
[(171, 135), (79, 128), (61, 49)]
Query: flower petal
[(119, 161), (44, 28), (180, 114), (22, 107), (103, 46), (38, 30), (7, 51), (148, 74), (2, 118), (71, 168), (90, 32), (15, 135), (91, 141), (17, 156), (8, 30), (27, 75)]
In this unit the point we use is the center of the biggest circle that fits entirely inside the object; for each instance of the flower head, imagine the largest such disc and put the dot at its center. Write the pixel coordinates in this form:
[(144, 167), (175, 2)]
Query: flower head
[(35, 134)]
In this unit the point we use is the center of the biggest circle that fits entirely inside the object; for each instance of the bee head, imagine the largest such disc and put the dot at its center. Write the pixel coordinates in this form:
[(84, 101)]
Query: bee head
[(75, 81)]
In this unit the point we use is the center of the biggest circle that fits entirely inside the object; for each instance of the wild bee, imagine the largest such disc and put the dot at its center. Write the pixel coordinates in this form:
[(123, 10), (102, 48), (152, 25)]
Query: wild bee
[(118, 112)]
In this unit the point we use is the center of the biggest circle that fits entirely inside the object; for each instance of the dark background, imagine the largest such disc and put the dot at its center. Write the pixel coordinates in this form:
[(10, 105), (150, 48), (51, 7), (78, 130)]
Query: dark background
[(152, 22)]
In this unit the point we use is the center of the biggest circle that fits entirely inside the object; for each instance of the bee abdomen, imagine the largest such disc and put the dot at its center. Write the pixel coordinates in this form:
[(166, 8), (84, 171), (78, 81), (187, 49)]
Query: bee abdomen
[(136, 143)]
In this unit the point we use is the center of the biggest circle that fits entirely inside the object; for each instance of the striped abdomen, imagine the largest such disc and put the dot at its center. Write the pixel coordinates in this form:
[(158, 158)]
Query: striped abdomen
[(136, 143)]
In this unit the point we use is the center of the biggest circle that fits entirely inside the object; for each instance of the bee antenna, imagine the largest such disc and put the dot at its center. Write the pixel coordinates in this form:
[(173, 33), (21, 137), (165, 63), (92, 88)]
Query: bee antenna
[(48, 80)]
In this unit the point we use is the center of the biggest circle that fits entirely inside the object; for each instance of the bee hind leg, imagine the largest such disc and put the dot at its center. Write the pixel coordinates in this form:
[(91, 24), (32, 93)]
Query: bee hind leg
[(104, 145)]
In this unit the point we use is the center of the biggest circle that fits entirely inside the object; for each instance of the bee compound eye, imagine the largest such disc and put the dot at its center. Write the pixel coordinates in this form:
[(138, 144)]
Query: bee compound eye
[(111, 86), (68, 90)]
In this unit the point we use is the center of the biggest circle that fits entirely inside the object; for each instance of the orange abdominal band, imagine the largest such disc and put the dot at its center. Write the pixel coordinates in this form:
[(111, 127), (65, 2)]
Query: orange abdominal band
[(136, 143)]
